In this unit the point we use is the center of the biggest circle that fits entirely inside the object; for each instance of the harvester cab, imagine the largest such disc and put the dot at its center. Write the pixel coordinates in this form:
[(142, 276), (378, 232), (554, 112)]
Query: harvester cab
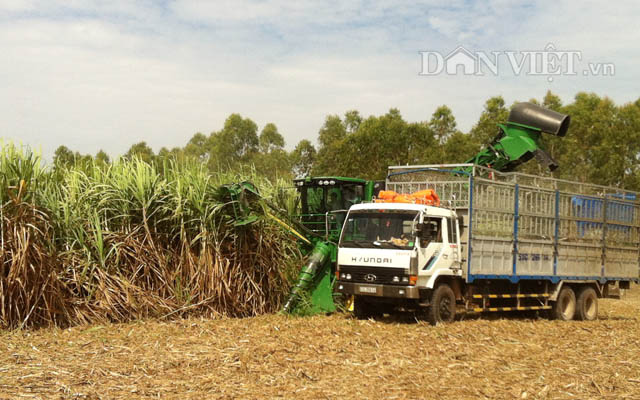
[(326, 200)]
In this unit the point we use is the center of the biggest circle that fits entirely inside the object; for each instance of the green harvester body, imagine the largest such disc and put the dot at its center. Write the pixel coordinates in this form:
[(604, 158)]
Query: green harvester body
[(324, 204), (325, 201)]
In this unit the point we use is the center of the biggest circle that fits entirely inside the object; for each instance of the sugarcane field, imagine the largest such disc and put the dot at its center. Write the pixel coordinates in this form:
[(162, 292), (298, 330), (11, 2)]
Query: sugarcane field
[(319, 200)]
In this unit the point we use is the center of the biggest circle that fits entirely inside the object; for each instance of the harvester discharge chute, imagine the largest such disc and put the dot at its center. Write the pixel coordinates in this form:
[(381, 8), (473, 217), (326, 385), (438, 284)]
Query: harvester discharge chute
[(518, 140)]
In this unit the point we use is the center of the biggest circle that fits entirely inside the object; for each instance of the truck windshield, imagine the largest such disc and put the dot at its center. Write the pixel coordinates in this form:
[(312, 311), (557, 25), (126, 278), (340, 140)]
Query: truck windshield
[(374, 229)]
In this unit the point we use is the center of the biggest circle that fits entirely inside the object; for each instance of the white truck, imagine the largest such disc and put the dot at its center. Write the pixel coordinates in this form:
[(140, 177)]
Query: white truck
[(498, 242)]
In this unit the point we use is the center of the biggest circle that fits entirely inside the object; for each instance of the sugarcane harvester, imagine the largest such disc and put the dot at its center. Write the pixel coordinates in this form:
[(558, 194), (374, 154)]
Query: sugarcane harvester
[(325, 201), (324, 204)]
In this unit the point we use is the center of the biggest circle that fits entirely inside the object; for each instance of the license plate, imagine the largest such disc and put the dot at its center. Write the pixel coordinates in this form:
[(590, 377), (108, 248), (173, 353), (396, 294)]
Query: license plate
[(367, 289)]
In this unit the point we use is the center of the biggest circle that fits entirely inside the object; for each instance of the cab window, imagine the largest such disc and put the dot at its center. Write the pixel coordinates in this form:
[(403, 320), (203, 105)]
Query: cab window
[(451, 228)]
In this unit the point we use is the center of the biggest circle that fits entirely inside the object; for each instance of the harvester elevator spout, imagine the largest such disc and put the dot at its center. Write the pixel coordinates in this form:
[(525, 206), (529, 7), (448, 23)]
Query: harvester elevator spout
[(518, 139)]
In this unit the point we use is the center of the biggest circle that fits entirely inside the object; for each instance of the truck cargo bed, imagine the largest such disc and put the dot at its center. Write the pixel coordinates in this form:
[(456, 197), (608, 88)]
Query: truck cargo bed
[(520, 226)]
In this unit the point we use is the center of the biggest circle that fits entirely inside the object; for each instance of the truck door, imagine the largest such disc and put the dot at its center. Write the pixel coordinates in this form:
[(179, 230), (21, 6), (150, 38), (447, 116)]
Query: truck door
[(430, 243)]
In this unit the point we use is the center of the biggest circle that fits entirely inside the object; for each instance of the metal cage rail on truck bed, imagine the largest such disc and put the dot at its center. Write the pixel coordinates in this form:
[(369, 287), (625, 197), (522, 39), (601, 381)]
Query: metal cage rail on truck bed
[(519, 226)]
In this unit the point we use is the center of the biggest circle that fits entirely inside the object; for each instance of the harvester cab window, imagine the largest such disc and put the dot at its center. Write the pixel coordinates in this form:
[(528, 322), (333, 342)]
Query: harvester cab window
[(352, 194), (315, 200), (334, 202), (336, 207)]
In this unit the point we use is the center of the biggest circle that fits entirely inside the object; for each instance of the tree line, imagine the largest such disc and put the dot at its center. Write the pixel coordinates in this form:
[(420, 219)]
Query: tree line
[(602, 146)]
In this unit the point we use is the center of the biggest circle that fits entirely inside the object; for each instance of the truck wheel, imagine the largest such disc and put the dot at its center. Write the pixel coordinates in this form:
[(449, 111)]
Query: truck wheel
[(564, 308), (443, 305), (361, 308), (587, 304)]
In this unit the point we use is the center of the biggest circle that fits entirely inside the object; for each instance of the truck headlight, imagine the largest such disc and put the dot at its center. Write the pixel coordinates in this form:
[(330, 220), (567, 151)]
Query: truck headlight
[(405, 279), (396, 279), (343, 275), (348, 277)]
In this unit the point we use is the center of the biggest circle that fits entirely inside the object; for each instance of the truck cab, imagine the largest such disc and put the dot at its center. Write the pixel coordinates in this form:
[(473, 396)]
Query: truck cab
[(391, 254)]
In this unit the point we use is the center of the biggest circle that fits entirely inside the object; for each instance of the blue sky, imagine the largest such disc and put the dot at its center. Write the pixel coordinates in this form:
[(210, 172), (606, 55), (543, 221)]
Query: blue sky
[(106, 74)]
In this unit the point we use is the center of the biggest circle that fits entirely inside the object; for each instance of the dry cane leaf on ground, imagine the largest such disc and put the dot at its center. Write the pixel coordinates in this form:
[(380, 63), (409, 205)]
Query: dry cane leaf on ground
[(275, 356)]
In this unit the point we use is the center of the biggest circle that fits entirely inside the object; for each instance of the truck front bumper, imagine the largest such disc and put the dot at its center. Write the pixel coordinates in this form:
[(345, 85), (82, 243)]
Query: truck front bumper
[(366, 289)]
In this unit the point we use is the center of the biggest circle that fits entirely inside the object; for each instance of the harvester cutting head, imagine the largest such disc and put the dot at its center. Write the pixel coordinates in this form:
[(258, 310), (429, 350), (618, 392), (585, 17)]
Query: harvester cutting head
[(518, 140)]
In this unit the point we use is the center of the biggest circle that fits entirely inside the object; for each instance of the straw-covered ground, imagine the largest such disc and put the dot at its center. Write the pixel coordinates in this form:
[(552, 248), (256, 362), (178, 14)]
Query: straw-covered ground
[(330, 357)]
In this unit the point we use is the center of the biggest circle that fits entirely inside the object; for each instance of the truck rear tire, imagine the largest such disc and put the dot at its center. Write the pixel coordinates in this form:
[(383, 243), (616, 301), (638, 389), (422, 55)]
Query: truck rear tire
[(443, 305), (564, 309), (587, 304)]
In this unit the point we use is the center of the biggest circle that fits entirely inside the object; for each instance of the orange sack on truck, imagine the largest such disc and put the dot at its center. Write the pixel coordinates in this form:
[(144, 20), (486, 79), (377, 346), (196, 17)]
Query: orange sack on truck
[(386, 196), (427, 197)]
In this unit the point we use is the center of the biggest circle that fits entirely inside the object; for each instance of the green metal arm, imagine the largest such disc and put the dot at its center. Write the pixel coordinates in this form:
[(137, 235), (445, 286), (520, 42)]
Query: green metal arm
[(518, 140), (242, 196)]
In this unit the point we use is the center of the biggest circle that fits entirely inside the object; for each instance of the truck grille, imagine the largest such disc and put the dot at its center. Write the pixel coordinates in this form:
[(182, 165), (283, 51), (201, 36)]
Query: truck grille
[(382, 275)]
